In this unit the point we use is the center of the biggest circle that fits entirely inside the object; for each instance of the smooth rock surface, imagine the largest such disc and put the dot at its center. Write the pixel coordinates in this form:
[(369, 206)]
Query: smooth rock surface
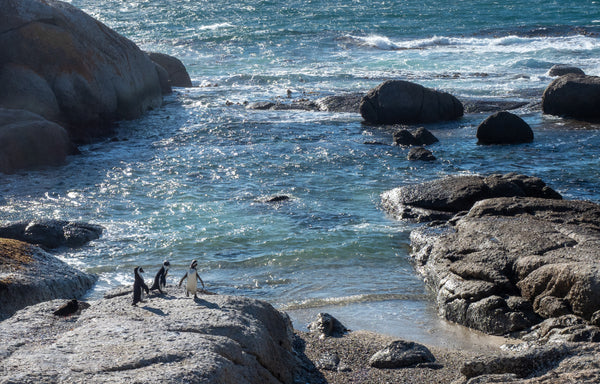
[(52, 233), (178, 75), (403, 102), (170, 338), (72, 69), (573, 96), (564, 69), (441, 199), (29, 275), (28, 140), (504, 128), (505, 265)]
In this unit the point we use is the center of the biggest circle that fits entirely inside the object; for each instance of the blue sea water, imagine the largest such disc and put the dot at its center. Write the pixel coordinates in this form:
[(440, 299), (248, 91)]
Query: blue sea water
[(187, 181)]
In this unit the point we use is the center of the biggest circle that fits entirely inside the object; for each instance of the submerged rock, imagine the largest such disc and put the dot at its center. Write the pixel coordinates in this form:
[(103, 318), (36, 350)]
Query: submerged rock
[(504, 128), (29, 275), (52, 233), (573, 96), (402, 102), (172, 338)]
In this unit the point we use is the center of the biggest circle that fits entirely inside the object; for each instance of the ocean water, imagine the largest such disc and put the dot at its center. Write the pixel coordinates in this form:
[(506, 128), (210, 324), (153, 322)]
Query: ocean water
[(188, 181)]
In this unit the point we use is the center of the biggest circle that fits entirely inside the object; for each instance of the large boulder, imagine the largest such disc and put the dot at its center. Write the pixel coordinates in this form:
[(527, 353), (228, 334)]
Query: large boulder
[(403, 102), (72, 69), (573, 96), (504, 128), (443, 198), (51, 233), (28, 140), (168, 338), (511, 262), (177, 74), (29, 275)]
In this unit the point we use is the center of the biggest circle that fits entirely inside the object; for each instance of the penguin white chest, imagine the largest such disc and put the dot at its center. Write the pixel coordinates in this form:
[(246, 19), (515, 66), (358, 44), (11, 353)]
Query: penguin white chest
[(192, 283)]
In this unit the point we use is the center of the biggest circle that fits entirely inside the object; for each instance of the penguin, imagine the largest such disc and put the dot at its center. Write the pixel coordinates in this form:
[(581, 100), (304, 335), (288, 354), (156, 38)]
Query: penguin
[(160, 280), (191, 275), (138, 285)]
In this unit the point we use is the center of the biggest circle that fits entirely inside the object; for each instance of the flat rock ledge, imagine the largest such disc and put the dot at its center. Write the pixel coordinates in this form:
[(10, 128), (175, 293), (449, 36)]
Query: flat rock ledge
[(29, 275), (168, 338)]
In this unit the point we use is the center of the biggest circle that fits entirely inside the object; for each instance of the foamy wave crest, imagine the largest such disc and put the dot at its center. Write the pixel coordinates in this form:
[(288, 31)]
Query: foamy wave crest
[(212, 27), (331, 301)]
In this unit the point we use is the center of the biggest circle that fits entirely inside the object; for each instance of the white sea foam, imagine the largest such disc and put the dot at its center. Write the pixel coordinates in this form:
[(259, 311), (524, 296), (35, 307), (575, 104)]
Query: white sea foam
[(212, 27)]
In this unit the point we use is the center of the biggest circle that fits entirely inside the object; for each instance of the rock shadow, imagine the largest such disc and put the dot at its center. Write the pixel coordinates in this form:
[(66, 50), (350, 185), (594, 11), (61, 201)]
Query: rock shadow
[(306, 372)]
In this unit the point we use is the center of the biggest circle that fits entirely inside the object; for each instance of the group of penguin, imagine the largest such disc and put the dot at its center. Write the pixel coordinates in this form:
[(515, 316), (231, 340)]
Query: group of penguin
[(160, 281)]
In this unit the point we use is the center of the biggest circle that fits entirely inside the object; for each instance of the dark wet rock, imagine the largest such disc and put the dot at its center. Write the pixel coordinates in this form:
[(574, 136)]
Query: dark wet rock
[(405, 138), (28, 140), (487, 106), (402, 102), (165, 82), (504, 128), (178, 75), (441, 199), (173, 338), (510, 262), (52, 233), (573, 96), (29, 275), (72, 69), (327, 326), (400, 353), (564, 69), (420, 153), (275, 199), (420, 136), (341, 103), (374, 142), (336, 103)]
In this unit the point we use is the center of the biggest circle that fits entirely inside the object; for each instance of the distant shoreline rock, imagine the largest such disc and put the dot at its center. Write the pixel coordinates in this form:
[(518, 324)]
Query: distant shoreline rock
[(52, 233)]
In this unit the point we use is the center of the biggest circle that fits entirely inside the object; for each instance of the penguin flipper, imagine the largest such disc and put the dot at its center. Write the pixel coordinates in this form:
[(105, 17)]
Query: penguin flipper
[(183, 278)]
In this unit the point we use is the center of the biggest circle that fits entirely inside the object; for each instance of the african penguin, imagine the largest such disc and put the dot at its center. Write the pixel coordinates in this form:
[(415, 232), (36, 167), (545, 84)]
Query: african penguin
[(191, 275), (160, 280), (67, 309), (138, 285)]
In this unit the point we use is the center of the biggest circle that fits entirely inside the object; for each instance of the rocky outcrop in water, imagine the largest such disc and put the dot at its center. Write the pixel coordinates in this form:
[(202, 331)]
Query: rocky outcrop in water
[(170, 338), (564, 69), (403, 102), (177, 74), (52, 233), (442, 199), (573, 96), (420, 136), (347, 103), (504, 128), (28, 140), (420, 153), (29, 275)]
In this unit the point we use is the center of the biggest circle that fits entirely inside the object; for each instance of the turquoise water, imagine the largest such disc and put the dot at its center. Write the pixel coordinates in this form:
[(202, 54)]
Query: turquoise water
[(188, 180)]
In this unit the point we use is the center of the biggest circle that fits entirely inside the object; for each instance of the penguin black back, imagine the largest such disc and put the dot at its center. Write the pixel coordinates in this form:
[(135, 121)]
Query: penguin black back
[(138, 285), (160, 280), (67, 309)]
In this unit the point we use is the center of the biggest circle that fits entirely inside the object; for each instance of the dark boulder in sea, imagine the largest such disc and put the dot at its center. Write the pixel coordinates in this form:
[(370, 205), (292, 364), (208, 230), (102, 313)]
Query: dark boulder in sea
[(52, 233), (443, 198), (29, 275), (420, 153), (420, 136), (563, 69), (573, 96), (28, 140), (72, 69), (403, 102), (504, 128), (178, 75)]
